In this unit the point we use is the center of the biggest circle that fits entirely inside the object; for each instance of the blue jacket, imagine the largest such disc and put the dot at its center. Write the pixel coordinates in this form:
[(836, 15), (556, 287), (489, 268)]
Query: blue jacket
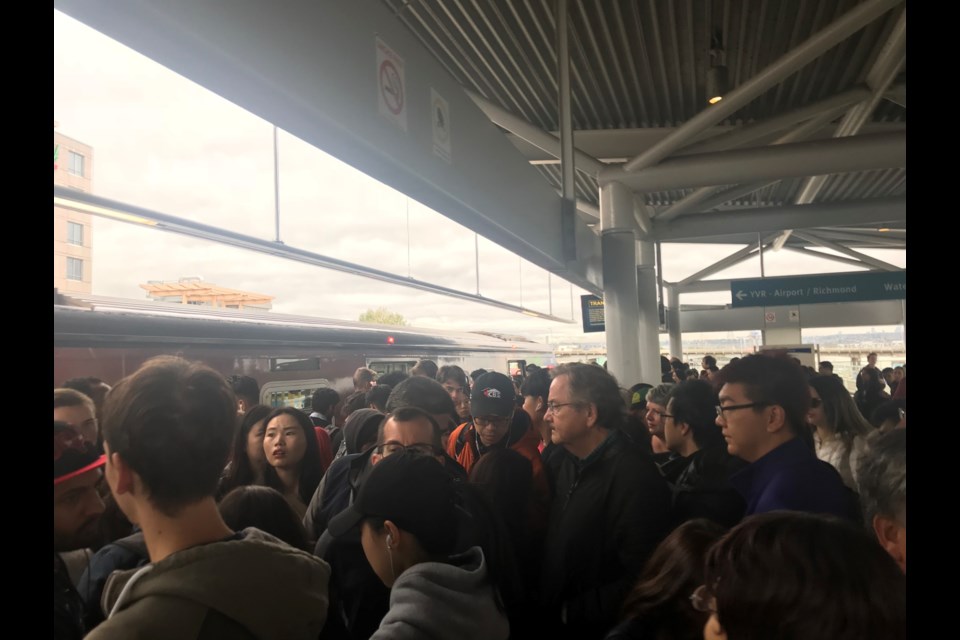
[(792, 478)]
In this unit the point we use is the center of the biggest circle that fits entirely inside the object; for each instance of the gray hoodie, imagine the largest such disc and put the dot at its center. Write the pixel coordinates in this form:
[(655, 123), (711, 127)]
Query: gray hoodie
[(252, 586), (440, 600)]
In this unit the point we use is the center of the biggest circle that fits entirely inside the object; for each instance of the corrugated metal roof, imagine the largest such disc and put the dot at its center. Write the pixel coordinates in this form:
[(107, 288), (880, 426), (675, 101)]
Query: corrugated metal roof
[(643, 64)]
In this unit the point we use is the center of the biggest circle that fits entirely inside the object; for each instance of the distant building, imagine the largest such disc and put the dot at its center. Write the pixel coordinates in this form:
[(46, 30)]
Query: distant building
[(194, 290), (72, 230)]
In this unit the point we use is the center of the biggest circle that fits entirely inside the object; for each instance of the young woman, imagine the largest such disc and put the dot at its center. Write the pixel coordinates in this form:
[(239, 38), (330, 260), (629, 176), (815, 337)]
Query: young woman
[(841, 430), (247, 461), (407, 511), (293, 467)]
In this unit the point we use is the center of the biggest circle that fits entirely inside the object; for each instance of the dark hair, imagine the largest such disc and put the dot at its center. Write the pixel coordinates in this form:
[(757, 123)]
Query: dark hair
[(423, 393), (245, 387), (840, 409), (795, 575), (476, 373), (505, 477), (93, 388), (408, 414), (592, 384), (426, 368), (773, 380), (710, 361), (888, 411), (537, 384), (266, 509), (693, 403), (393, 378), (378, 396), (323, 400), (827, 364), (311, 468), (241, 471), (172, 421), (882, 477), (872, 384), (661, 596), (354, 401), (454, 373)]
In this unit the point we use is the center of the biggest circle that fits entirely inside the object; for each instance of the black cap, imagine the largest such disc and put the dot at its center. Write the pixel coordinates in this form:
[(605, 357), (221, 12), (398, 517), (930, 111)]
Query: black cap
[(72, 455), (493, 395), (413, 491)]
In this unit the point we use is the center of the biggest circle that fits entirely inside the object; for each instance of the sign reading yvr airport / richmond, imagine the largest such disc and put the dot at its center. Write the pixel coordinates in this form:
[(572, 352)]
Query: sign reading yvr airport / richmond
[(818, 289), (594, 318)]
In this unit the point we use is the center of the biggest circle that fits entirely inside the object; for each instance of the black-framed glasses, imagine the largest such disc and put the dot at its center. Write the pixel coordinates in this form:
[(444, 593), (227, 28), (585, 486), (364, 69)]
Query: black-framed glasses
[(497, 422), (553, 407), (737, 407), (703, 601), (667, 415), (390, 448)]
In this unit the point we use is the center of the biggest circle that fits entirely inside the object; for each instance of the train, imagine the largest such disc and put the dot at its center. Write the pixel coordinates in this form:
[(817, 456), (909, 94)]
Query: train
[(289, 356)]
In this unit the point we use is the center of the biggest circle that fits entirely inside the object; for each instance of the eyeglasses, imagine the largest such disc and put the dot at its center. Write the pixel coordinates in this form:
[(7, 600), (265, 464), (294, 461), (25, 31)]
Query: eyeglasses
[(667, 415), (736, 407), (702, 601), (497, 422), (816, 403), (390, 448), (553, 407)]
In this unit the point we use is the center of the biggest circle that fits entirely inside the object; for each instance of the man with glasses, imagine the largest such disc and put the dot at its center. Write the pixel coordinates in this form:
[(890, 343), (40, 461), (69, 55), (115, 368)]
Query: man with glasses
[(611, 507), (359, 599), (498, 424), (762, 412)]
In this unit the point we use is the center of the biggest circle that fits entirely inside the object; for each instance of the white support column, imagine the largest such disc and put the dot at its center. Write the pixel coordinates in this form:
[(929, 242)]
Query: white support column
[(649, 321), (673, 321), (621, 308)]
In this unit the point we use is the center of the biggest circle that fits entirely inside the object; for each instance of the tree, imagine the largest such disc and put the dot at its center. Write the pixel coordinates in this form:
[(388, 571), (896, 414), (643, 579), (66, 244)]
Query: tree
[(381, 315)]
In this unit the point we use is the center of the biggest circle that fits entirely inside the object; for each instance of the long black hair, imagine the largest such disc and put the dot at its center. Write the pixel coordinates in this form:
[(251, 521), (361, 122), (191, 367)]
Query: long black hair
[(311, 468), (240, 471)]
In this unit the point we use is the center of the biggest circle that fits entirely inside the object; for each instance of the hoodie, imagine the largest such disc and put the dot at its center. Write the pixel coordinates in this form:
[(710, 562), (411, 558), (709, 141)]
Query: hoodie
[(248, 586), (436, 600)]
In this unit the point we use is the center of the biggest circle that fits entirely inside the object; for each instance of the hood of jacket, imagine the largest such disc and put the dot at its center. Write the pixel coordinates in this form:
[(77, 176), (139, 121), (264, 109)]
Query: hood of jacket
[(358, 425), (445, 600), (269, 587)]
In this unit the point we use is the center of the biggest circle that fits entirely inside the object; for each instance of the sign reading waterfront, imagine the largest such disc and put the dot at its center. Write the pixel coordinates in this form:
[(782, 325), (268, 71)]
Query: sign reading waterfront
[(593, 314), (817, 289)]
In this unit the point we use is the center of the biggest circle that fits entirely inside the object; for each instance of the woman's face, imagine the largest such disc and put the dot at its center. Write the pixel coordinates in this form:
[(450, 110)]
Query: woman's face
[(816, 416), (255, 446), (284, 442)]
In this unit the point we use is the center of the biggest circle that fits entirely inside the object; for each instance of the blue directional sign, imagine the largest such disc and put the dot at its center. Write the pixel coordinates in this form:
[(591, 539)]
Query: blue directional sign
[(816, 289), (593, 314)]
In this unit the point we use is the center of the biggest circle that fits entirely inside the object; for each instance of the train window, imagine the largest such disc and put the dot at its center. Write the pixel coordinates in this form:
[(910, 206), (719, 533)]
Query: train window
[(295, 393), (294, 364), (385, 366)]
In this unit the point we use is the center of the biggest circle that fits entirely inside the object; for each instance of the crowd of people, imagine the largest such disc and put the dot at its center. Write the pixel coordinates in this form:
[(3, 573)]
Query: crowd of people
[(756, 500)]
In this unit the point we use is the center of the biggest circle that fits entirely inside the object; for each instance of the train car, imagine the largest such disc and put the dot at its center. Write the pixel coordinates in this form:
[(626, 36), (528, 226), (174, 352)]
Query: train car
[(289, 356)]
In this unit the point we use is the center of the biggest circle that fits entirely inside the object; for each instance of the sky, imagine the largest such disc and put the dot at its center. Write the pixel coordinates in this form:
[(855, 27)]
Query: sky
[(164, 143)]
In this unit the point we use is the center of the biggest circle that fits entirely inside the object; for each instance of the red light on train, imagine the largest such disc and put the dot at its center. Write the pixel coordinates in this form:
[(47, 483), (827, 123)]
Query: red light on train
[(389, 339)]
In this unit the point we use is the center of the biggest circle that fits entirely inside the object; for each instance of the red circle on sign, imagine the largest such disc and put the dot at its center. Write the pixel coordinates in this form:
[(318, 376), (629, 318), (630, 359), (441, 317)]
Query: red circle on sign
[(391, 87)]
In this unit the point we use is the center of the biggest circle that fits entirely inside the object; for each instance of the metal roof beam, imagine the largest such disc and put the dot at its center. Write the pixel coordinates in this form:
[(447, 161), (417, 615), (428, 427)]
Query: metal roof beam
[(799, 159), (824, 40), (825, 256), (734, 258), (770, 219), (881, 75), (879, 239), (702, 196), (536, 136), (112, 209), (833, 105), (867, 261)]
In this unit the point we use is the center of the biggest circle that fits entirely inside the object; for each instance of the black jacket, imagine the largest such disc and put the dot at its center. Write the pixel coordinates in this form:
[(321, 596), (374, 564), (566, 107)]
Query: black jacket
[(703, 488), (609, 513)]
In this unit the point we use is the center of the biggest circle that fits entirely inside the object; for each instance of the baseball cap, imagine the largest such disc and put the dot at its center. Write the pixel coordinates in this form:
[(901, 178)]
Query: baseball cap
[(413, 491), (72, 455), (493, 395)]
